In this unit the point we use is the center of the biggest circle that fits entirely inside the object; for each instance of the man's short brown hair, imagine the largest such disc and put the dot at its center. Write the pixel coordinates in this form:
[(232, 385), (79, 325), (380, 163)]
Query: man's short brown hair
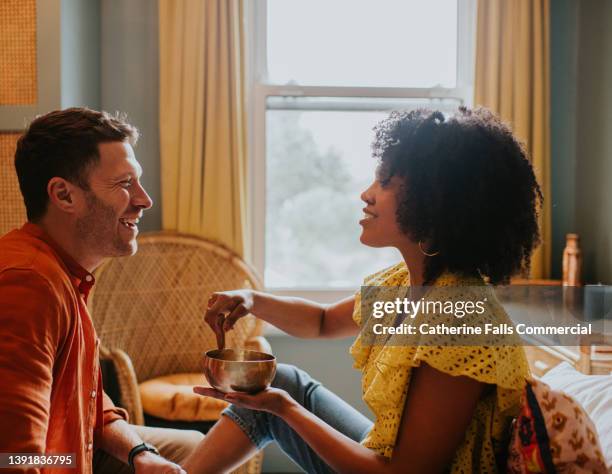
[(64, 143)]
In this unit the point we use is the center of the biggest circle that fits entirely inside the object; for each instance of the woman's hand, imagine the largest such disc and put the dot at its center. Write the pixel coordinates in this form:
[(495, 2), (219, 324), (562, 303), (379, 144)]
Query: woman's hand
[(225, 308), (273, 400)]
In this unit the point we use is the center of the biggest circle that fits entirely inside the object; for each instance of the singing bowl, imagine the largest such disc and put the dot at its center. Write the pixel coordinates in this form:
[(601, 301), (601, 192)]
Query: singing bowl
[(231, 370)]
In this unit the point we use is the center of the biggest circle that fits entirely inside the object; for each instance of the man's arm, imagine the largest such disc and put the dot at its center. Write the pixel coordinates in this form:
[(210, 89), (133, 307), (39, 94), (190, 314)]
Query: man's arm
[(32, 328), (111, 412), (118, 439)]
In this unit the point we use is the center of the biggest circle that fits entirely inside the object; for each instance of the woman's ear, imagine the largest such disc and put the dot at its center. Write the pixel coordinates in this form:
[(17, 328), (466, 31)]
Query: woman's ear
[(61, 194)]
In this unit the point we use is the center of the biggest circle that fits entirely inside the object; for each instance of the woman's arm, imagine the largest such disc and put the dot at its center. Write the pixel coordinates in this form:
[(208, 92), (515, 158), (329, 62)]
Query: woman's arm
[(304, 318), (437, 412), (296, 316)]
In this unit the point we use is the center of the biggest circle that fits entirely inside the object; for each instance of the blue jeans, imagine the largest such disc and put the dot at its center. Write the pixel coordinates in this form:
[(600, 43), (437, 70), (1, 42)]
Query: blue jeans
[(262, 428)]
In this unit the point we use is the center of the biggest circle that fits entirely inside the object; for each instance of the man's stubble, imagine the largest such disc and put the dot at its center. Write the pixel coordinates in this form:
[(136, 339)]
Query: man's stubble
[(99, 229)]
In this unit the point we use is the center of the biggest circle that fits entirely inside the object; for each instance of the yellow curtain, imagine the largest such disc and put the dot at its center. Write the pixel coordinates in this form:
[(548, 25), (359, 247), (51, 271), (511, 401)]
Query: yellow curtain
[(202, 119), (513, 80)]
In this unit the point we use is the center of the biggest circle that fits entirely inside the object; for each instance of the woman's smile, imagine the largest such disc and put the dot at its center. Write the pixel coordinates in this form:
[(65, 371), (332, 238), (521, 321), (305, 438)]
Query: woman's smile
[(367, 215)]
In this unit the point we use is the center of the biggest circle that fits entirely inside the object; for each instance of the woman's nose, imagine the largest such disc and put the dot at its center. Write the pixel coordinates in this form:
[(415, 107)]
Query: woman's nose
[(367, 196)]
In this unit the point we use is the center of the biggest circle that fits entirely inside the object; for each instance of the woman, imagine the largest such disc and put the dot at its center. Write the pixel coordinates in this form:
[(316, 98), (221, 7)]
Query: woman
[(458, 198)]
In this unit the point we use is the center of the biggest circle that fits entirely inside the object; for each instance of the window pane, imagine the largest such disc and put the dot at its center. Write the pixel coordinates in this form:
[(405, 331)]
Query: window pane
[(318, 163), (382, 43)]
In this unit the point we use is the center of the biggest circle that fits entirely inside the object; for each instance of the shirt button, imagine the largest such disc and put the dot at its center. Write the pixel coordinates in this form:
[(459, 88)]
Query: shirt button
[(89, 446), (93, 394), (88, 278)]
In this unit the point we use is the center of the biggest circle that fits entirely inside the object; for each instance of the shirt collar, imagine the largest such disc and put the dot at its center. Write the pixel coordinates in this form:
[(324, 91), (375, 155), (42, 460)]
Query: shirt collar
[(82, 278)]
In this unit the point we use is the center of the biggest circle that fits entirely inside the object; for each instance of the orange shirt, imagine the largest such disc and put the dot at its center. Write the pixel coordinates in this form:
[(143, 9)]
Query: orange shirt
[(51, 397)]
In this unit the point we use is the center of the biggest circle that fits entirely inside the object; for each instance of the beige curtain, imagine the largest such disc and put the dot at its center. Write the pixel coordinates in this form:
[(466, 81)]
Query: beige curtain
[(513, 80), (202, 119)]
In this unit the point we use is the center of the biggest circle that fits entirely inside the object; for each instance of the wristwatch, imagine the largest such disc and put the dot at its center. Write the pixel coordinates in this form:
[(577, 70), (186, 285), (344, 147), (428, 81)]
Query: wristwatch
[(136, 450)]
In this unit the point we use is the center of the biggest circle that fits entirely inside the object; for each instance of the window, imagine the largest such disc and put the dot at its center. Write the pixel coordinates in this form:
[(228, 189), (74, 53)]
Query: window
[(323, 74)]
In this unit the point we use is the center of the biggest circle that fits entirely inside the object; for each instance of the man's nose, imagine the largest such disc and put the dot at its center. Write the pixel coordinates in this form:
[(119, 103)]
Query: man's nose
[(141, 198)]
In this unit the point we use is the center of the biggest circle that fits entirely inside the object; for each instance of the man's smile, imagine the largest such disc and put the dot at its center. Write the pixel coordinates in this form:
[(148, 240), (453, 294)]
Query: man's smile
[(130, 222)]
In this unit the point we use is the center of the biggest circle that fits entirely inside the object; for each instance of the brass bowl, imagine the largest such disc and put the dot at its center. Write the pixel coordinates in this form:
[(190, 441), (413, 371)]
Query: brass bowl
[(230, 370)]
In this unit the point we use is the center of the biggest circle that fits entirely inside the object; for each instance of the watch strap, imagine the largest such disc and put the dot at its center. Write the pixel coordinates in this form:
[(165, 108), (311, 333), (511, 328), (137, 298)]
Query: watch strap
[(136, 450)]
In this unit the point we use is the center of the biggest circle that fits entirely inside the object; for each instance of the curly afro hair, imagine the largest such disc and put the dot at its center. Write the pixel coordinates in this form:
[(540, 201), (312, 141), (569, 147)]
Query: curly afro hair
[(468, 188)]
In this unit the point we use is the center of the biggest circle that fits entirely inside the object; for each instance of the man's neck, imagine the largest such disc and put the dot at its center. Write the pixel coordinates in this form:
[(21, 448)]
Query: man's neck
[(64, 235)]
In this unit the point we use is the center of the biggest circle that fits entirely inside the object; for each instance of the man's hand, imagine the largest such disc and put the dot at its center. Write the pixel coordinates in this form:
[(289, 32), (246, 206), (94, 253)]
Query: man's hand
[(272, 400), (150, 463)]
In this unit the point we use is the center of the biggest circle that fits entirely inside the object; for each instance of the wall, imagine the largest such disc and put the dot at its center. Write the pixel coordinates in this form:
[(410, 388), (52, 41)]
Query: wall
[(594, 140), (563, 73), (581, 111), (129, 83), (80, 53)]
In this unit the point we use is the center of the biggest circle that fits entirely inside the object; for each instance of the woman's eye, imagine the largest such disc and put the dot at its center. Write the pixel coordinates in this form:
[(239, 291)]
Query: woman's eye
[(382, 178), (384, 182)]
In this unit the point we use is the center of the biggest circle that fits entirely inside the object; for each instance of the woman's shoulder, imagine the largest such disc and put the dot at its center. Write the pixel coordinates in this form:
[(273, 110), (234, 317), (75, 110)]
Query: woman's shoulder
[(394, 275)]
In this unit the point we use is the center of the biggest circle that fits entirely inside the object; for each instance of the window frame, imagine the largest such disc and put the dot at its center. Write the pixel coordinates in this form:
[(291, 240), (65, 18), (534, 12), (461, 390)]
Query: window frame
[(258, 90)]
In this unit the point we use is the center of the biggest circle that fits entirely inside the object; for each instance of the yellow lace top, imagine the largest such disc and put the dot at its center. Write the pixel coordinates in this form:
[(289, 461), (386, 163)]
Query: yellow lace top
[(386, 372)]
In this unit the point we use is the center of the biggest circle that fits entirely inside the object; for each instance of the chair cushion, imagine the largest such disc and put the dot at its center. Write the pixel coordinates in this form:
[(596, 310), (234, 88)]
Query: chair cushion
[(171, 397), (552, 434), (593, 392)]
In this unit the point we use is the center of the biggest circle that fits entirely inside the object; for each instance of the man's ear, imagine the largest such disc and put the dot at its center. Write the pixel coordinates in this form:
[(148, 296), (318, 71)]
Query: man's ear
[(61, 194)]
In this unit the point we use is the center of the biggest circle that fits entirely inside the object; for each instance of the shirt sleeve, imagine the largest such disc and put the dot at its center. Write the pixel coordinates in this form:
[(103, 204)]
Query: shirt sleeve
[(111, 412), (32, 328)]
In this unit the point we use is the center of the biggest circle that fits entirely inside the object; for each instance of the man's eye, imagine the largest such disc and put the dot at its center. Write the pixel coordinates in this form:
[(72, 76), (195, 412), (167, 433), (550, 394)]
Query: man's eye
[(126, 183)]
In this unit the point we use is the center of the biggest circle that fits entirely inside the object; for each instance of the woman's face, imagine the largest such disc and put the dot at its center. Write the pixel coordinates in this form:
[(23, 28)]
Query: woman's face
[(379, 223)]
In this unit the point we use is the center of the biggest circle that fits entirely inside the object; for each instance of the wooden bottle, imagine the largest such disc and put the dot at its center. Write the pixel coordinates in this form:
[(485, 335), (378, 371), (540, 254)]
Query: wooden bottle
[(572, 261)]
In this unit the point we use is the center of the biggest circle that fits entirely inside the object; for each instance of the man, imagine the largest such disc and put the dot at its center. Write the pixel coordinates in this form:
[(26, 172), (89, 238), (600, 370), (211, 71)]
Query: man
[(81, 186)]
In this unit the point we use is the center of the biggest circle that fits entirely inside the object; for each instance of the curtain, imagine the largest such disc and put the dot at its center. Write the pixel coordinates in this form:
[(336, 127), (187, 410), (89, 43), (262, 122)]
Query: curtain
[(513, 80), (202, 119)]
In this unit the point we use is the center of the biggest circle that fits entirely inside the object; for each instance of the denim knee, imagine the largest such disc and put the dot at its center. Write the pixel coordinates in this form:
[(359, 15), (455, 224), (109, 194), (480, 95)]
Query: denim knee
[(296, 382), (256, 424)]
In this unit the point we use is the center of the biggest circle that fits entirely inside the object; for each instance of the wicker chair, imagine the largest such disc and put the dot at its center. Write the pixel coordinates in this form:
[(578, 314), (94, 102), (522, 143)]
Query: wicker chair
[(12, 209), (148, 308)]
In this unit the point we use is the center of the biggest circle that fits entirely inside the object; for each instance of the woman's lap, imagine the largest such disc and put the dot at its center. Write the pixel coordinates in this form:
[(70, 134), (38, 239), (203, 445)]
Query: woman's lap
[(263, 428)]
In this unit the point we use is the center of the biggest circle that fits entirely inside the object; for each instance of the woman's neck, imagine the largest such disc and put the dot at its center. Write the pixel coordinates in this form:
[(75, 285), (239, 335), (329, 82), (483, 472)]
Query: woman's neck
[(415, 262)]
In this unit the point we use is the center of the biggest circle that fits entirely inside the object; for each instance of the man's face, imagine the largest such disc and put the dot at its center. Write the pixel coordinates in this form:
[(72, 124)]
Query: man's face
[(114, 202)]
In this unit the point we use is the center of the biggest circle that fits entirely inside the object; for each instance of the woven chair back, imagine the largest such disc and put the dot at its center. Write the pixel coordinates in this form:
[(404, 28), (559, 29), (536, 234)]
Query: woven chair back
[(12, 209), (151, 305)]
